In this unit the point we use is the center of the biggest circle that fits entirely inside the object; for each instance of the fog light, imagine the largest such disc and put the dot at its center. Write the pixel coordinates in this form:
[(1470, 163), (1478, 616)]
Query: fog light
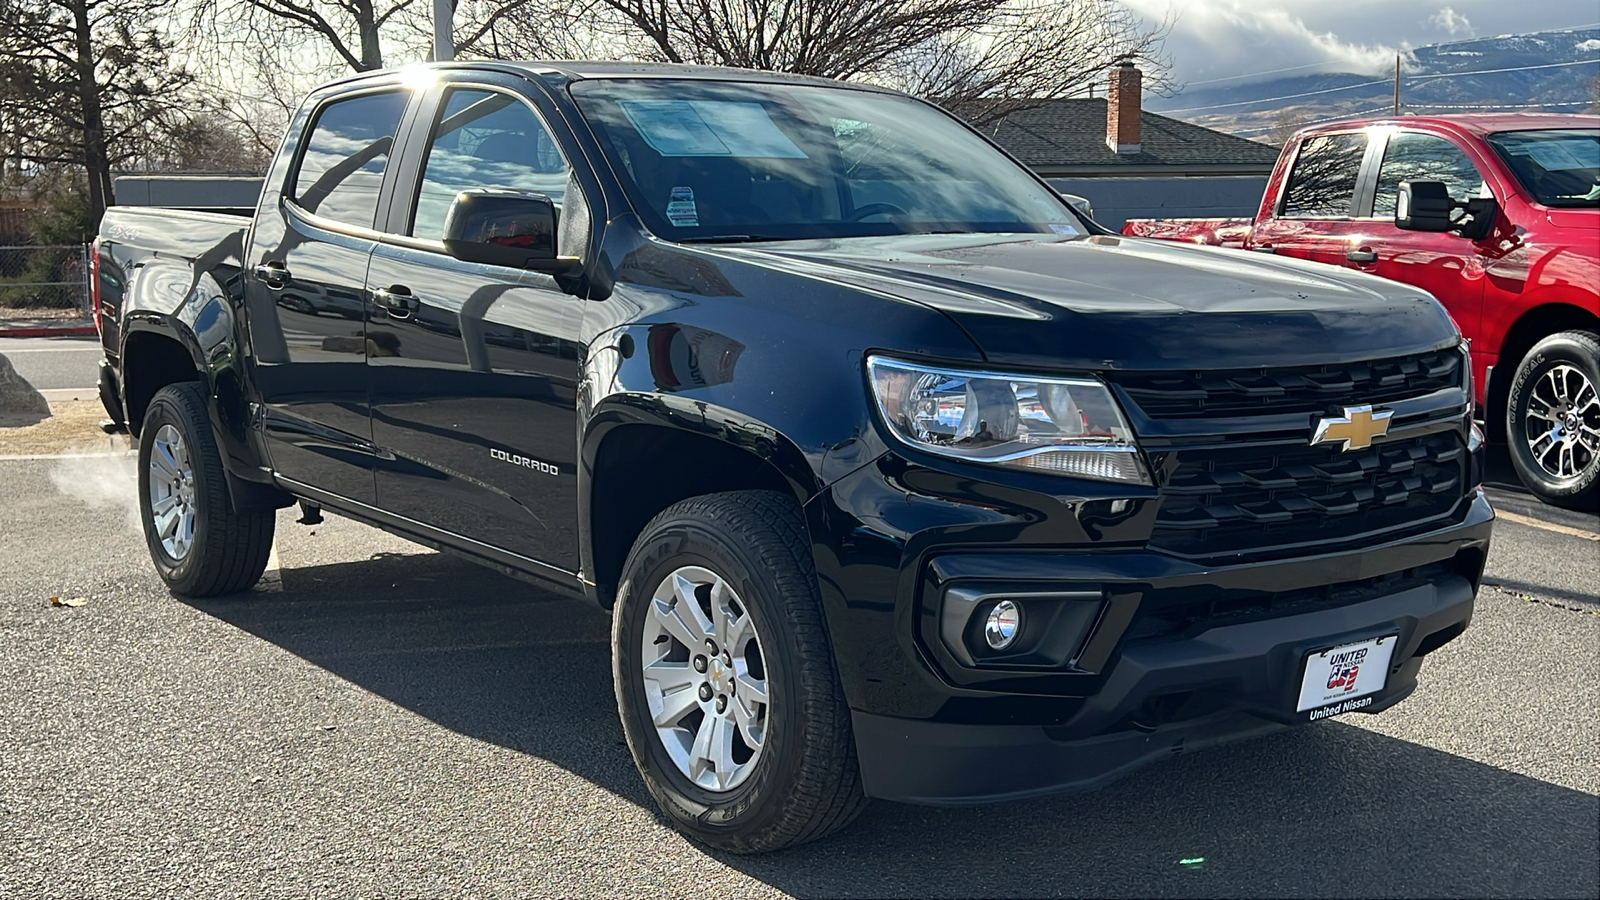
[(1003, 625)]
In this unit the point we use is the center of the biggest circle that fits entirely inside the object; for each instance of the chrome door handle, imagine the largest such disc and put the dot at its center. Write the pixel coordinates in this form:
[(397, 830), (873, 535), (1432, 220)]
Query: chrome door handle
[(397, 300), (1362, 256), (272, 274)]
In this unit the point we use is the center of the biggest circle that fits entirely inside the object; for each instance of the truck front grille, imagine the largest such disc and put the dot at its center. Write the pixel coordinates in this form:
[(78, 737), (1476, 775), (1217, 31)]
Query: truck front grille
[(1249, 392), (1223, 501)]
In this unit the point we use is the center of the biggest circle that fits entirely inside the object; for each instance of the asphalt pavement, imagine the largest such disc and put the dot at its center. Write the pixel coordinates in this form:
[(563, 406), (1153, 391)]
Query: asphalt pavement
[(62, 368), (377, 719)]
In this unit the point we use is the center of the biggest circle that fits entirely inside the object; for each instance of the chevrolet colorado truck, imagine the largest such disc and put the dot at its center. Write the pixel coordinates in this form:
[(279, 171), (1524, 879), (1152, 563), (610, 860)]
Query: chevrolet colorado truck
[(899, 478), (1498, 216)]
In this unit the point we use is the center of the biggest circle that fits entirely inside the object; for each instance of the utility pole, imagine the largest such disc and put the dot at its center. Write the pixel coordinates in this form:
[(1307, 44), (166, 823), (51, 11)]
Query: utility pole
[(444, 44), (1396, 83)]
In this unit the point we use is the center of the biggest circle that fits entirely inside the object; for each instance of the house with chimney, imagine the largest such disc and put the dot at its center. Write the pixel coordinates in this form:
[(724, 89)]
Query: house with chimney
[(1132, 163)]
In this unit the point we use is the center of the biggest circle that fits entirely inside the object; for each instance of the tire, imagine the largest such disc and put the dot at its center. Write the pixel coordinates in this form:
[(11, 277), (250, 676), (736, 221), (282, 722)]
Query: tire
[(1553, 420), (800, 780), (202, 547)]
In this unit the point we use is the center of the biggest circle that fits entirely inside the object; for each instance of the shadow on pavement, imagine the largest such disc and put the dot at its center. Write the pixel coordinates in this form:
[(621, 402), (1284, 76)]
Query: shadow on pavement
[(1329, 810)]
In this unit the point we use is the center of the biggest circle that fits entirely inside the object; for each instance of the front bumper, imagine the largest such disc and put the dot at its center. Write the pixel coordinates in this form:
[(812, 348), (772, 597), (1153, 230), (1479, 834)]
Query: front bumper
[(931, 727), (1227, 683)]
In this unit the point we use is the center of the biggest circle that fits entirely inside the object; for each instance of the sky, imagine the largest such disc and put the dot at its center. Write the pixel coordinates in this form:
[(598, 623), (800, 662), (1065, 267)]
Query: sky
[(1215, 39)]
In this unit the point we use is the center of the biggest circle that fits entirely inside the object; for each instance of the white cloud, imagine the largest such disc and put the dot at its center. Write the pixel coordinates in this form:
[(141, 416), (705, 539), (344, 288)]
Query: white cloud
[(1590, 44), (1452, 22), (1226, 38)]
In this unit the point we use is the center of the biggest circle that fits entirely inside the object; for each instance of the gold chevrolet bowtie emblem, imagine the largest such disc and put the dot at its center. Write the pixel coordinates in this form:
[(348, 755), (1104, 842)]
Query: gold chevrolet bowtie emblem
[(1357, 427)]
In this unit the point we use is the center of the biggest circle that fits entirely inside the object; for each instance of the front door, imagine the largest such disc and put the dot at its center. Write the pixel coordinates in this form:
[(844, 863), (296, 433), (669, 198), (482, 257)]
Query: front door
[(1446, 265), (305, 282), (475, 368)]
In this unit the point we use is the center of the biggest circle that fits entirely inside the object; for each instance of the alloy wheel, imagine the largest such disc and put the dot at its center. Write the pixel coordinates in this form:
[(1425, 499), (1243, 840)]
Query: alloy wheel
[(172, 493), (1562, 423), (705, 678)]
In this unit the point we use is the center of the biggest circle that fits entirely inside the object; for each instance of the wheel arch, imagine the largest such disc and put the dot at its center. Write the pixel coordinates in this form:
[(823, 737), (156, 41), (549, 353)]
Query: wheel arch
[(638, 462), (1532, 327)]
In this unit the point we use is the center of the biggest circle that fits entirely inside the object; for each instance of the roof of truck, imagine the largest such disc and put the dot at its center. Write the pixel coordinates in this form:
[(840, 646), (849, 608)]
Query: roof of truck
[(1472, 123)]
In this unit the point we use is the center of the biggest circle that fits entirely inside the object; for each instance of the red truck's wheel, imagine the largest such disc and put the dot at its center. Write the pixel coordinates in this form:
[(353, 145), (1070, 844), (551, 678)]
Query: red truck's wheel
[(725, 678), (200, 544), (1553, 420)]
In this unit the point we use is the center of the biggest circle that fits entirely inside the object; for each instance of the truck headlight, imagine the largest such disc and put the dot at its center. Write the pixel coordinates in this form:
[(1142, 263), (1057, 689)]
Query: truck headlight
[(1067, 426)]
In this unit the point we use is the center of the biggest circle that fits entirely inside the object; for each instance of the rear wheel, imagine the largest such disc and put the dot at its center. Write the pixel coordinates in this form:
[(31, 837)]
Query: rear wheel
[(1553, 420), (725, 679), (200, 544)]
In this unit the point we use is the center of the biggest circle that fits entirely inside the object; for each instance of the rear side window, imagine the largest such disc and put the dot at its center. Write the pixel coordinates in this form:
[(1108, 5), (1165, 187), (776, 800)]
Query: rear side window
[(485, 140), (345, 155), (1423, 157), (1323, 181)]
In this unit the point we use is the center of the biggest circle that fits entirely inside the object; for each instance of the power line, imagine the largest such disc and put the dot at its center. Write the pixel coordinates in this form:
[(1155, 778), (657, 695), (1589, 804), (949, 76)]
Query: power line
[(1268, 72), (1416, 80), (1272, 99)]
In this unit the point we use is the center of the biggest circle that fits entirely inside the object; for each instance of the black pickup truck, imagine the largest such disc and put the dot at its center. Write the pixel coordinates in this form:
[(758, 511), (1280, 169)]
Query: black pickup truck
[(900, 478)]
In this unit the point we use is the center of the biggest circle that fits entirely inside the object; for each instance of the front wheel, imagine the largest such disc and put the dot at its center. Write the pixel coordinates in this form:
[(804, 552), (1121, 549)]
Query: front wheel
[(1553, 420), (725, 679), (200, 544)]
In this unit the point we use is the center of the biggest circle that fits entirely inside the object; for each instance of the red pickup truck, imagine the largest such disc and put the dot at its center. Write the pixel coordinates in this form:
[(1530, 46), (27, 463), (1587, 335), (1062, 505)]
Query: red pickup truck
[(1498, 216)]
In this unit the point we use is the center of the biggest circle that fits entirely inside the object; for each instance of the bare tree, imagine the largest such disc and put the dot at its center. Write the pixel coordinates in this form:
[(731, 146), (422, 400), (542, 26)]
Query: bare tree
[(351, 31), (986, 57), (1594, 95), (88, 83)]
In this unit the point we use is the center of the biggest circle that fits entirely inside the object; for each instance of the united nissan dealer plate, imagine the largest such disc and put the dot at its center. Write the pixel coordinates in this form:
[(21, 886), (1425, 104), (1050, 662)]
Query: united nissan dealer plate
[(1342, 679)]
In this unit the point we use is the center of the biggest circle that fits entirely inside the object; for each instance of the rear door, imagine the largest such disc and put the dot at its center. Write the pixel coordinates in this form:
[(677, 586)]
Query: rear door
[(1314, 217), (307, 267), (1448, 266), (475, 367)]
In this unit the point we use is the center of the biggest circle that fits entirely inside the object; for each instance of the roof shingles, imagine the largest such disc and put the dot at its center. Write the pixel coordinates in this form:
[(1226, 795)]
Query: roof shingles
[(1066, 135)]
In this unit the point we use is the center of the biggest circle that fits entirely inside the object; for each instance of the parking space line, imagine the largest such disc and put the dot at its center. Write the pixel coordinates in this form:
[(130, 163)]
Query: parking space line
[(1547, 526)]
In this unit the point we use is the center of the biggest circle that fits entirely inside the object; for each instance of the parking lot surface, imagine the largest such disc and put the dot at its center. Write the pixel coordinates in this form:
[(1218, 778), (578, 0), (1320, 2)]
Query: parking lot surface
[(379, 720)]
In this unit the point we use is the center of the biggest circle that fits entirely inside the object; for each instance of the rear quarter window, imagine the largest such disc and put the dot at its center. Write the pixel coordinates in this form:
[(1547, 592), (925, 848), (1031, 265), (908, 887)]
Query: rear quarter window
[(346, 152), (1322, 184)]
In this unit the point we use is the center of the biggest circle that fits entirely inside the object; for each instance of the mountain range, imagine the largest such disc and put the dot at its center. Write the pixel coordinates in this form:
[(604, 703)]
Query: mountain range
[(1552, 71)]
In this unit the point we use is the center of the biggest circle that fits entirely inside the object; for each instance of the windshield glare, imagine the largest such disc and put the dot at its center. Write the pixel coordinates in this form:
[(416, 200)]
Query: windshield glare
[(706, 160), (1559, 168)]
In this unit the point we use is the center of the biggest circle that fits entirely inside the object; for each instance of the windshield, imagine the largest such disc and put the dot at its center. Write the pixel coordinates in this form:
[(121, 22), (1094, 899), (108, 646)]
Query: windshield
[(709, 161), (1559, 168)]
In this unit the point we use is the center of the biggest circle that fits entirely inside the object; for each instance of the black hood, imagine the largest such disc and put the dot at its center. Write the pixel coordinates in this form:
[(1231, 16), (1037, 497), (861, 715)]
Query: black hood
[(1110, 302)]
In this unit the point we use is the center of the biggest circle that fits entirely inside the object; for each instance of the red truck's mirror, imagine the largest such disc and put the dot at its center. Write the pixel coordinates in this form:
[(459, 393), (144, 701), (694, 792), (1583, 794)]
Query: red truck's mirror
[(1423, 206), (505, 228)]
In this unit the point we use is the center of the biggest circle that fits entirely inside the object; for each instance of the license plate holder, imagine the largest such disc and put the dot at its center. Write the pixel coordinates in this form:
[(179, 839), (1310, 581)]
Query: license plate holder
[(1343, 678)]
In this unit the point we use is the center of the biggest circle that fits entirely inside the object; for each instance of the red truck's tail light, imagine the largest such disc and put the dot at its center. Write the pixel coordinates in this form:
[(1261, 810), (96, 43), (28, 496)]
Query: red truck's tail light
[(94, 284)]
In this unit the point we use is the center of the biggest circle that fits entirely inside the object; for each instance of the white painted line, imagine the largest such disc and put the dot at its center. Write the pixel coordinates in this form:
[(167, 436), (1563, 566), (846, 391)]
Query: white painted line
[(274, 565), (26, 457), (92, 349), (1547, 526), (56, 395)]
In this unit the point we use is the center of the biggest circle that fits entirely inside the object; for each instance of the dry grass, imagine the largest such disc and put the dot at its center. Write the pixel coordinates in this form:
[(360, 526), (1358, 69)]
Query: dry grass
[(73, 427)]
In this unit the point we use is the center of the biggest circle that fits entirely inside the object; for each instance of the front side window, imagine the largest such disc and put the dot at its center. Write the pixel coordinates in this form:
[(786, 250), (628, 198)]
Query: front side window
[(1322, 184), (704, 160), (485, 139), (1423, 157), (346, 152), (1559, 168)]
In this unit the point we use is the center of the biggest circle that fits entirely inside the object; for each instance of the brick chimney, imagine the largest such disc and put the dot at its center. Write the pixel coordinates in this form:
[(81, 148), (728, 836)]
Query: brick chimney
[(1123, 101)]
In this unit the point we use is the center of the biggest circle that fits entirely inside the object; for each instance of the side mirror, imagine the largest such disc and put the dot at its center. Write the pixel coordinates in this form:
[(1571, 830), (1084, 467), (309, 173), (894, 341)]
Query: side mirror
[(1081, 204), (1423, 206), (505, 228)]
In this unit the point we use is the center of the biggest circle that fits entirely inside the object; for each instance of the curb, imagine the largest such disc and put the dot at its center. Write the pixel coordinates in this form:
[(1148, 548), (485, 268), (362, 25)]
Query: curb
[(44, 331)]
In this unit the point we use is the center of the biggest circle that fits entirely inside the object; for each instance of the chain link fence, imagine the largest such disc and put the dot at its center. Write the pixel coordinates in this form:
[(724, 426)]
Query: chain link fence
[(46, 282)]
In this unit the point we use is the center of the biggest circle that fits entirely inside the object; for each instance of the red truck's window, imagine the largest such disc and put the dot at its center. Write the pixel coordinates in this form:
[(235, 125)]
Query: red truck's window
[(1323, 182), (345, 155), (1424, 157)]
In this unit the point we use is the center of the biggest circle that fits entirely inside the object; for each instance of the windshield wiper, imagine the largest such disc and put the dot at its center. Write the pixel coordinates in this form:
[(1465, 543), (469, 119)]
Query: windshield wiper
[(731, 239)]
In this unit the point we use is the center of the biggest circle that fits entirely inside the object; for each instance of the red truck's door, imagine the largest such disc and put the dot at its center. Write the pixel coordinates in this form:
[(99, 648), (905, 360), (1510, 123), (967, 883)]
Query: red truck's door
[(1314, 218), (1448, 266)]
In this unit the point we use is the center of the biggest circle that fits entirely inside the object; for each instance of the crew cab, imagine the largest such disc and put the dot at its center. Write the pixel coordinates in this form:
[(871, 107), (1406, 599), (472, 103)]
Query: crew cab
[(899, 478), (1500, 220)]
